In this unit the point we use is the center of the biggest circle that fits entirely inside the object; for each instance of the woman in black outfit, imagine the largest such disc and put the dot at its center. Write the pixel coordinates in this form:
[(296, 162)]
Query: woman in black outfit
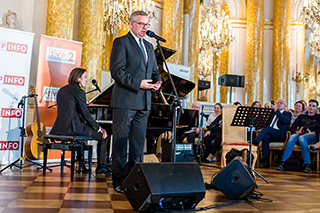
[(212, 138)]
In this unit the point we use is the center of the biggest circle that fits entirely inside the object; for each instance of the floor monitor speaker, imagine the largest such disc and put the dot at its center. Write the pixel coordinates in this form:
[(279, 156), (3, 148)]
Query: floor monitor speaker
[(236, 180), (164, 186)]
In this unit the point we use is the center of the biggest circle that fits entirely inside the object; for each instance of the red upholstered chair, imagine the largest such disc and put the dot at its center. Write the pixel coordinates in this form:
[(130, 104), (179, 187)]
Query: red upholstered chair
[(234, 137)]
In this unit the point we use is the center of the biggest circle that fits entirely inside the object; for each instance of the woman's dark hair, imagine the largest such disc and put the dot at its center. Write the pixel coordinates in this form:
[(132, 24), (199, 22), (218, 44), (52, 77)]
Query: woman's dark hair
[(220, 105), (254, 103), (300, 102), (75, 74)]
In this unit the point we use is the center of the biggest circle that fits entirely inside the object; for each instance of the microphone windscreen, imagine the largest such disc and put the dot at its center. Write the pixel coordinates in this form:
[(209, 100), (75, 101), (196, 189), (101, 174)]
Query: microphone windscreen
[(94, 82)]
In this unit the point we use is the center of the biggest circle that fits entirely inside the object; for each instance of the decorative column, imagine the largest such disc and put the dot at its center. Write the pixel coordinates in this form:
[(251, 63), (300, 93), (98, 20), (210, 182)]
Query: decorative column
[(254, 52), (192, 8), (90, 33), (224, 62), (60, 18), (281, 49), (172, 24)]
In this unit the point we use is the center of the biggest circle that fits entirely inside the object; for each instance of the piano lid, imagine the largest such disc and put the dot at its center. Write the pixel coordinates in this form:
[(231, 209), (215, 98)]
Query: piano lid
[(183, 86)]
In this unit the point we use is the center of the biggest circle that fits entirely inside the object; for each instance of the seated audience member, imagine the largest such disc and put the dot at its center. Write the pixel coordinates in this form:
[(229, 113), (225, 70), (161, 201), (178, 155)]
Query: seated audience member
[(298, 109), (276, 131), (237, 103), (305, 107), (256, 104), (267, 104), (212, 138), (192, 133), (305, 130), (254, 129)]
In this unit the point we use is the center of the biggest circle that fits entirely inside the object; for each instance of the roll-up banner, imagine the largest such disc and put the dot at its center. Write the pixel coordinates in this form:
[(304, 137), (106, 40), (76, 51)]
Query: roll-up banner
[(57, 57), (15, 59)]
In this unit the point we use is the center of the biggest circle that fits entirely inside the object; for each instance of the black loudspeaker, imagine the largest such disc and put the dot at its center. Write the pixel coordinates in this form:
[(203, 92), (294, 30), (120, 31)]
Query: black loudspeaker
[(235, 181), (231, 80), (160, 186)]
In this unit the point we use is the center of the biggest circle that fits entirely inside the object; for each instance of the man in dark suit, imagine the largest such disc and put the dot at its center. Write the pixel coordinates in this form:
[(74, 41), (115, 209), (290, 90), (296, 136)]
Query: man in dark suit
[(74, 119), (133, 66), (276, 131)]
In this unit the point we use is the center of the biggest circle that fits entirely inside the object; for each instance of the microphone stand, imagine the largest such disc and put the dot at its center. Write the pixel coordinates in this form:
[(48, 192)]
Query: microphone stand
[(177, 105)]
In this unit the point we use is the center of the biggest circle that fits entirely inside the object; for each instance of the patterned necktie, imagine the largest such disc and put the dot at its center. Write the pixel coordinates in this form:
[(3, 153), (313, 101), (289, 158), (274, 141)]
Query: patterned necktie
[(275, 120), (141, 46)]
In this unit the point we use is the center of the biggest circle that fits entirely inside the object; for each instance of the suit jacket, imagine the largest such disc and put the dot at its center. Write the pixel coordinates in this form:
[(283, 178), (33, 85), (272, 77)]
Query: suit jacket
[(283, 123), (128, 68), (73, 116)]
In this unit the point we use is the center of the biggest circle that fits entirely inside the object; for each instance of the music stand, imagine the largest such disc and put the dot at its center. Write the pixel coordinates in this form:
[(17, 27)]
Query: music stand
[(252, 117)]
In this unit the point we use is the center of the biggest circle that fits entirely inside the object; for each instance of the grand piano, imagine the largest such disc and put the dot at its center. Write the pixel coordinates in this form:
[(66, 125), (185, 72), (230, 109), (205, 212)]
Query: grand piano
[(161, 114)]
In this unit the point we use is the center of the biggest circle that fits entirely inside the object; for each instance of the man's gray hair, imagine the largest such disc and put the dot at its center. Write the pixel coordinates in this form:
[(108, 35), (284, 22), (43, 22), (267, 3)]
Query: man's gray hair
[(134, 15), (284, 101)]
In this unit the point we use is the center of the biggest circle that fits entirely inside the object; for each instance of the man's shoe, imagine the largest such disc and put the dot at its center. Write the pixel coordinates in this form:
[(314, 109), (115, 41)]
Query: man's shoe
[(313, 148), (83, 170), (265, 163), (119, 189), (103, 171), (307, 168), (281, 166)]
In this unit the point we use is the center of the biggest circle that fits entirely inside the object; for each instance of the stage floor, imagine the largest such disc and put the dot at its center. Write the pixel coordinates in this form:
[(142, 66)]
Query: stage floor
[(27, 190)]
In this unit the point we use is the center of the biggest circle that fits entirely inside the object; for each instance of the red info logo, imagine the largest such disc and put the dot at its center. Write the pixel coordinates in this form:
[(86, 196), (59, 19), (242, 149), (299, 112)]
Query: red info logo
[(13, 47), (9, 145), (11, 79), (11, 113)]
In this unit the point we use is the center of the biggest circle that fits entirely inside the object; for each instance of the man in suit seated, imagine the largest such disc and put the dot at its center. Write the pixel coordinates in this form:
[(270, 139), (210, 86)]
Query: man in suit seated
[(74, 119), (305, 130), (276, 131)]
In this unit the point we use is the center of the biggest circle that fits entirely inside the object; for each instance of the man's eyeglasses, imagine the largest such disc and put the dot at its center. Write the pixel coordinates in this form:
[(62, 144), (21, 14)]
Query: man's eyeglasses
[(141, 24), (279, 102)]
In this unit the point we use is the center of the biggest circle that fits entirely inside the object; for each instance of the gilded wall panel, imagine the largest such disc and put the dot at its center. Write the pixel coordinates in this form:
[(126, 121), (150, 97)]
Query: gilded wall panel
[(254, 51), (60, 18), (90, 33), (281, 49), (172, 24), (192, 8)]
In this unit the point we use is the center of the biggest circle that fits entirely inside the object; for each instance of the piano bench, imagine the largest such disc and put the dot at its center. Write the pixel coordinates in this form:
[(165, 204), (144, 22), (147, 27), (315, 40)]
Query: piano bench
[(68, 143)]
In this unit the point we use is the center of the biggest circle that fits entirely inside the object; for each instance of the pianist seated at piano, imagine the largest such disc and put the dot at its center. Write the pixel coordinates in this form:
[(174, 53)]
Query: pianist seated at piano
[(74, 119), (212, 137)]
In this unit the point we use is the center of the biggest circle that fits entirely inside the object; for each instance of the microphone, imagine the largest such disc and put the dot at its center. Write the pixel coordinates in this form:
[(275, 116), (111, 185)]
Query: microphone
[(95, 83), (153, 35)]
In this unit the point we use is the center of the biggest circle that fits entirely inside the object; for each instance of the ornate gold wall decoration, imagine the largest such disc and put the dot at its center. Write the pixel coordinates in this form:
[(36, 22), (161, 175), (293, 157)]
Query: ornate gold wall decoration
[(90, 33), (60, 18), (281, 49), (172, 24), (254, 51), (191, 7)]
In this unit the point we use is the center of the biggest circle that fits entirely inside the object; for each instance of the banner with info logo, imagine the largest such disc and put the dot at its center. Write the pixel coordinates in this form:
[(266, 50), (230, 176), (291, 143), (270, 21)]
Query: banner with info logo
[(57, 57), (15, 59)]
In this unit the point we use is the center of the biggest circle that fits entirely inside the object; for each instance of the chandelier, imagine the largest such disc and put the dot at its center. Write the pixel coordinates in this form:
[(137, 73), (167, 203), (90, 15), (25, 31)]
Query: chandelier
[(215, 34), (117, 13), (310, 15)]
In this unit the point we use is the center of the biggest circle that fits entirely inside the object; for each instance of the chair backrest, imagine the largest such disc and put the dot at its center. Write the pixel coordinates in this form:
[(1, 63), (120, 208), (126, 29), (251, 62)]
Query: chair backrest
[(231, 133)]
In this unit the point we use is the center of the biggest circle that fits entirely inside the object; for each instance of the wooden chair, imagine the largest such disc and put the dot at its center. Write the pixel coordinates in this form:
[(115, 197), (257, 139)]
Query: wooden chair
[(234, 137)]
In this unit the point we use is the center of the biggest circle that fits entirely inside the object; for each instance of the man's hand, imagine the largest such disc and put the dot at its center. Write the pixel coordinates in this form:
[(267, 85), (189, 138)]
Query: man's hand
[(299, 131), (206, 134), (146, 84), (157, 86), (104, 133)]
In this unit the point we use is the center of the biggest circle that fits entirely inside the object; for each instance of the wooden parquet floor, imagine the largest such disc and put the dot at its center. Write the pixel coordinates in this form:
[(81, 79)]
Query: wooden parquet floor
[(26, 190)]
